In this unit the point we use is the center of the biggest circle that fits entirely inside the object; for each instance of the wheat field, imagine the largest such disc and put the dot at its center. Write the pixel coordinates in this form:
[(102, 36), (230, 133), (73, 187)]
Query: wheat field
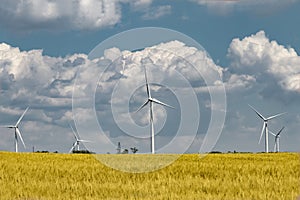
[(37, 176)]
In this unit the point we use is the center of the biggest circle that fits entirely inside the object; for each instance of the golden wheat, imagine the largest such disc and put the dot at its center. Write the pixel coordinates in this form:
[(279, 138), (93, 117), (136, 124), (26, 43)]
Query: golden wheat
[(28, 176)]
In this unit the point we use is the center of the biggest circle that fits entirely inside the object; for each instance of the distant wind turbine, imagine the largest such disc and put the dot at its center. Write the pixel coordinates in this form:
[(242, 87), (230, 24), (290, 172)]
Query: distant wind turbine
[(17, 131), (277, 136), (151, 101), (119, 148), (265, 127), (77, 141)]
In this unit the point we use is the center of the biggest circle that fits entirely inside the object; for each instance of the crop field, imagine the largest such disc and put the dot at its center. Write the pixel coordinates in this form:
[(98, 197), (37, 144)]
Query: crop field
[(34, 176)]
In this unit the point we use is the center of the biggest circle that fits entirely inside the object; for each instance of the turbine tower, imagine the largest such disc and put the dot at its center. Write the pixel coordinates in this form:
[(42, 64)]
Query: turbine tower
[(265, 127), (77, 141), (17, 131), (277, 136), (151, 101)]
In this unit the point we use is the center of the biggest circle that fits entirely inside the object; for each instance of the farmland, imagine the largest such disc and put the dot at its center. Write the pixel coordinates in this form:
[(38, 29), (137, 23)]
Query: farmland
[(34, 176)]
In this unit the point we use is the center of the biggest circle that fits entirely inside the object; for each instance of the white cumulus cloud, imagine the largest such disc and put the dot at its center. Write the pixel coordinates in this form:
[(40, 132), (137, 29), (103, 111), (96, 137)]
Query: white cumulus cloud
[(46, 84), (266, 60), (65, 14)]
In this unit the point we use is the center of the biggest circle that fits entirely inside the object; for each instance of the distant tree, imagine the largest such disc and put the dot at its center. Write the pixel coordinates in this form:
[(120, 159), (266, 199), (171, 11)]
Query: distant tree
[(42, 151), (134, 149), (125, 151), (215, 152), (83, 152)]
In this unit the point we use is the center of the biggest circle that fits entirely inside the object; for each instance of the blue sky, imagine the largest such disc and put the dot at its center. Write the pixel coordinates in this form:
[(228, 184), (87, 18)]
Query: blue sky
[(212, 28), (265, 74)]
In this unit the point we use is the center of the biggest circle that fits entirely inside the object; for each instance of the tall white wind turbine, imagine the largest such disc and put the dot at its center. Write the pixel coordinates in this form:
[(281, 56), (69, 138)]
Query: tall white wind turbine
[(151, 101), (17, 131), (277, 136), (265, 127), (75, 145)]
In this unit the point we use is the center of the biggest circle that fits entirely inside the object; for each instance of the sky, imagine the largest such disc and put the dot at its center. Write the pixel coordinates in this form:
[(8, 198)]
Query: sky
[(83, 62)]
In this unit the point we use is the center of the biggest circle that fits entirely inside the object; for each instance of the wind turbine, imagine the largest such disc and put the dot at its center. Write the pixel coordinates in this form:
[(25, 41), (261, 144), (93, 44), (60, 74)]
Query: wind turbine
[(17, 131), (277, 136), (265, 127), (151, 101), (119, 148), (77, 142)]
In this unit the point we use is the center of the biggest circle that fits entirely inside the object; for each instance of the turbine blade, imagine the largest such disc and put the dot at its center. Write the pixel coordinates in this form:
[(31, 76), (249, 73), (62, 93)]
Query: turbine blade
[(7, 126), (274, 147), (140, 108), (272, 133), (262, 132), (21, 117), (161, 103), (148, 90), (73, 131), (279, 132), (274, 116), (85, 141), (20, 136), (147, 85), (260, 115), (72, 147)]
